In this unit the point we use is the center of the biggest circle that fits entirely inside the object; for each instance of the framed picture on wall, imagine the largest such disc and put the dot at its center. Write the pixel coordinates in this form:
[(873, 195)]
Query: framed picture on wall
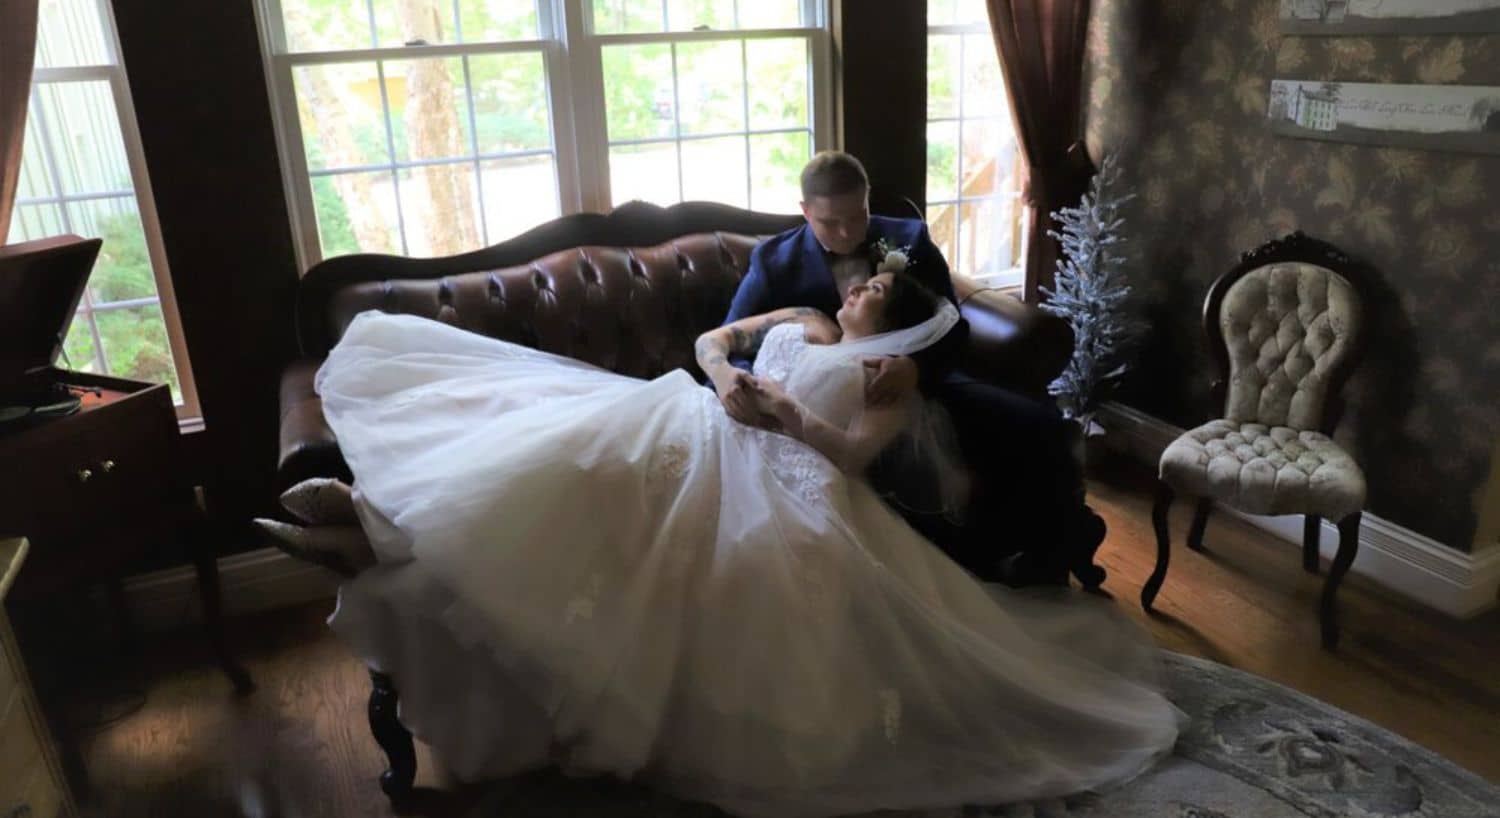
[(1409, 17), (1462, 118)]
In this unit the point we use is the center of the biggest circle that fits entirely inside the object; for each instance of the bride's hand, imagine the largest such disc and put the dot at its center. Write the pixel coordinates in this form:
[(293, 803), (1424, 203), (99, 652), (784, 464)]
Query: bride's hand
[(773, 402)]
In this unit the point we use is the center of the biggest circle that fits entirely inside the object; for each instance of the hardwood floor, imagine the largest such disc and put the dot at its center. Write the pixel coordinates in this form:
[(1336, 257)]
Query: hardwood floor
[(300, 745)]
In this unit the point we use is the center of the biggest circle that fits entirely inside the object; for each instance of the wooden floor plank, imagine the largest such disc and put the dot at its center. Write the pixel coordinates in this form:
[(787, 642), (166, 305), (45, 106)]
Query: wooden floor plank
[(300, 744)]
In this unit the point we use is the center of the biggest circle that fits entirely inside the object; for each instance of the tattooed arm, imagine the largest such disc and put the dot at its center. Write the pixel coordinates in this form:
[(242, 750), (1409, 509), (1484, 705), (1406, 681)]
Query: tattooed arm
[(743, 338)]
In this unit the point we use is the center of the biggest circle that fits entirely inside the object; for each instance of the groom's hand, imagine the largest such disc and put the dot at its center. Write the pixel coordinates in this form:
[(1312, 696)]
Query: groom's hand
[(889, 378)]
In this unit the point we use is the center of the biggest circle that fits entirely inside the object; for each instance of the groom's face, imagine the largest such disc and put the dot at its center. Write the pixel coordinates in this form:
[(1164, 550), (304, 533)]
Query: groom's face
[(840, 222)]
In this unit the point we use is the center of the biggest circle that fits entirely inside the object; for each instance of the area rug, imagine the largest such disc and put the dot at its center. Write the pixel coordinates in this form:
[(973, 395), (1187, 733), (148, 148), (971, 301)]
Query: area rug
[(1254, 749)]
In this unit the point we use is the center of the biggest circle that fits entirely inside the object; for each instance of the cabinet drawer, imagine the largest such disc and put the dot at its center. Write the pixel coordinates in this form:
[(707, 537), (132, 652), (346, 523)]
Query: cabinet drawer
[(92, 474)]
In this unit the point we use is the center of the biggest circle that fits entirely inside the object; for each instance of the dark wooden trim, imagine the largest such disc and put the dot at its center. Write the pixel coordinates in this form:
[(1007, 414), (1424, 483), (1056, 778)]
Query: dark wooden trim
[(1348, 547), (1301, 248), (1159, 508), (634, 224), (1204, 508), (392, 736)]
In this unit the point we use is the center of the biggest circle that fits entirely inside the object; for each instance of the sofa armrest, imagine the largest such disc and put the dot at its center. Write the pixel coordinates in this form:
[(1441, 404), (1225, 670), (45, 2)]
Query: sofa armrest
[(308, 448), (1011, 343)]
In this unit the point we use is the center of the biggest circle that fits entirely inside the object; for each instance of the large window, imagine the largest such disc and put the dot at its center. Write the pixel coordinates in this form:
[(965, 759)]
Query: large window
[(973, 194), (430, 127), (82, 171)]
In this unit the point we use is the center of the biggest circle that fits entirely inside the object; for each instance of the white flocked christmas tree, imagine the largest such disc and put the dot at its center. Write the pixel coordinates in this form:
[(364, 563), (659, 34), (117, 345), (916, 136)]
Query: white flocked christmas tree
[(1090, 293)]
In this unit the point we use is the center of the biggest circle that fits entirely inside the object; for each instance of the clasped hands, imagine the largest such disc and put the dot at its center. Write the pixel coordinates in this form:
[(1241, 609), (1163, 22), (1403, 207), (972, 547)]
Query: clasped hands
[(762, 403)]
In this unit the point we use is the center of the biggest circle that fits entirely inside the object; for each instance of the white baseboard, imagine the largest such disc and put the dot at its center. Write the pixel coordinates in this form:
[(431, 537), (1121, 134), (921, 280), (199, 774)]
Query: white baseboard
[(253, 581), (1459, 584)]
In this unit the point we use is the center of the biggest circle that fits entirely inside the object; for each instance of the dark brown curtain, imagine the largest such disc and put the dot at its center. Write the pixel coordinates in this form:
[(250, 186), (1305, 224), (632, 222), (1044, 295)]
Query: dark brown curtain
[(1041, 45), (17, 48)]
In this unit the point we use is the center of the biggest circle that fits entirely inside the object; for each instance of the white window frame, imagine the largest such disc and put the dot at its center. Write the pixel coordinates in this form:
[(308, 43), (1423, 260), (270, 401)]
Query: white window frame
[(113, 72), (573, 58), (1015, 275)]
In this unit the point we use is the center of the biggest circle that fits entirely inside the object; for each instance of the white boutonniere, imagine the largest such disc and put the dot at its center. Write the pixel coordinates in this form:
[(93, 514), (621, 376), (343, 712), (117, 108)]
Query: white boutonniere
[(888, 259)]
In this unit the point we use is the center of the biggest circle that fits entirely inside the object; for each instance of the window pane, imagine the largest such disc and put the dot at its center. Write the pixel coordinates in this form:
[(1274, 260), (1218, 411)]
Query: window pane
[(942, 161), (778, 94), (989, 155), (398, 22), (970, 11), (941, 225), (776, 162), (770, 13), (78, 346), (321, 25), (519, 194), (984, 92), (36, 179), (136, 347), (711, 87), (356, 213), (942, 76), (941, 12), (429, 109), (343, 120), (985, 236), (627, 16), (437, 209), (29, 222), (638, 91), (85, 131), (700, 15), (645, 172), (714, 170), (510, 102), (123, 270), (498, 20), (69, 32)]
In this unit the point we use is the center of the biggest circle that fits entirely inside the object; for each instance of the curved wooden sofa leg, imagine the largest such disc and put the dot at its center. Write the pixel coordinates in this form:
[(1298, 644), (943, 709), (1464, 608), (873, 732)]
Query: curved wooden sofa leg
[(392, 737), (1159, 511)]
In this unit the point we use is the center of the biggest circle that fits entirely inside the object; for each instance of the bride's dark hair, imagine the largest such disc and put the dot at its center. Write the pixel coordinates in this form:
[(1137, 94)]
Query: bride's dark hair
[(908, 303)]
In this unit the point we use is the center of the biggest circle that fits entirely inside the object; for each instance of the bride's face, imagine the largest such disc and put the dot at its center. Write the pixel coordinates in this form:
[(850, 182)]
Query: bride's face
[(863, 313)]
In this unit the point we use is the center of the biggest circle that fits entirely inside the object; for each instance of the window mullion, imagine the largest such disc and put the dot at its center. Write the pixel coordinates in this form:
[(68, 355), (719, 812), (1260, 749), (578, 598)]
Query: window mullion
[(958, 214), (577, 102)]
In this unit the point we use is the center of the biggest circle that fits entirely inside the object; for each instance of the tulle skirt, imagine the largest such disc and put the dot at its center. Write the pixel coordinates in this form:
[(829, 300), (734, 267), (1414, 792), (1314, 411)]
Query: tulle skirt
[(608, 574)]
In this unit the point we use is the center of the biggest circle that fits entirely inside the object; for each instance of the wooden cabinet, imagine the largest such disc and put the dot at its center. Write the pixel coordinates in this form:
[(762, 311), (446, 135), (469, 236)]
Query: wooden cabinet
[(31, 779), (94, 492), (93, 489)]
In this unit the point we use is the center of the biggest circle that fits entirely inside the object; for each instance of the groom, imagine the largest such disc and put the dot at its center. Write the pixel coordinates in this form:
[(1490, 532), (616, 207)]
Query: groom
[(1027, 523)]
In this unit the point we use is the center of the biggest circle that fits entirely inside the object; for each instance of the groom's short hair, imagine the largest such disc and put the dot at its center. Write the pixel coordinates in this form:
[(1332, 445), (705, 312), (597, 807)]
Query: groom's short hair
[(833, 173)]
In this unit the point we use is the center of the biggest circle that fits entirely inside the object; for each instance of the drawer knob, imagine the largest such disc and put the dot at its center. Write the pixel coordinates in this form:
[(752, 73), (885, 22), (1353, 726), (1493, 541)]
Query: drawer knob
[(85, 475), (106, 466)]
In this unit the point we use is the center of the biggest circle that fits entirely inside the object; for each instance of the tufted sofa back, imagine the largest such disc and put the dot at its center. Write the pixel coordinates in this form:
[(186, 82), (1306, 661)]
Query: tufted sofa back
[(1288, 327), (636, 311)]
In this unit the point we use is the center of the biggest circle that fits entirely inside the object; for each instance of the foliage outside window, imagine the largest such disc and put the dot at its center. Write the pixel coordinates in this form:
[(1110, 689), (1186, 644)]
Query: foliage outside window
[(432, 127), (82, 172), (973, 193)]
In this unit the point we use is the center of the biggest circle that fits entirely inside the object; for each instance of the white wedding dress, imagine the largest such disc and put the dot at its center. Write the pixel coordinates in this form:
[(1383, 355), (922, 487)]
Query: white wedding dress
[(591, 570)]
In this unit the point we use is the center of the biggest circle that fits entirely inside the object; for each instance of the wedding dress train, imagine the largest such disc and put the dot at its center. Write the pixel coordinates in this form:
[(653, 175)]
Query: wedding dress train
[(586, 569)]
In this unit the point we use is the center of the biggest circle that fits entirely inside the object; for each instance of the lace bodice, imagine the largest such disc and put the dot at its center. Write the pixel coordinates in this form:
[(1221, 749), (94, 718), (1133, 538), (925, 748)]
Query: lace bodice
[(831, 387)]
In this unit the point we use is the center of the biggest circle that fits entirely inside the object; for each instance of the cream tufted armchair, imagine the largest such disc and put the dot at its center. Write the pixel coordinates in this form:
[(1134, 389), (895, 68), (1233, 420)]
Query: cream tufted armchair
[(1284, 328)]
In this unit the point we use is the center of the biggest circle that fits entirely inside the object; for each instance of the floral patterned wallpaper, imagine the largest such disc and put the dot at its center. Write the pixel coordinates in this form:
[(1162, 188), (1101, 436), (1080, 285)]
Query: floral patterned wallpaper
[(1179, 88)]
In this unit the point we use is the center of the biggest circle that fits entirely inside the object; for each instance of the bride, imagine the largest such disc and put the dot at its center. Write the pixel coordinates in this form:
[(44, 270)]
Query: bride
[(583, 569)]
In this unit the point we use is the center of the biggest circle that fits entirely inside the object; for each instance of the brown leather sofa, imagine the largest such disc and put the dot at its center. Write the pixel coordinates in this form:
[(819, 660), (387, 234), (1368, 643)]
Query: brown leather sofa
[(630, 291)]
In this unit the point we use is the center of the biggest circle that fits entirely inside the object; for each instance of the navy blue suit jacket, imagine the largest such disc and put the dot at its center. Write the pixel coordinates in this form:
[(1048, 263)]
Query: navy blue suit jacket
[(791, 270)]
